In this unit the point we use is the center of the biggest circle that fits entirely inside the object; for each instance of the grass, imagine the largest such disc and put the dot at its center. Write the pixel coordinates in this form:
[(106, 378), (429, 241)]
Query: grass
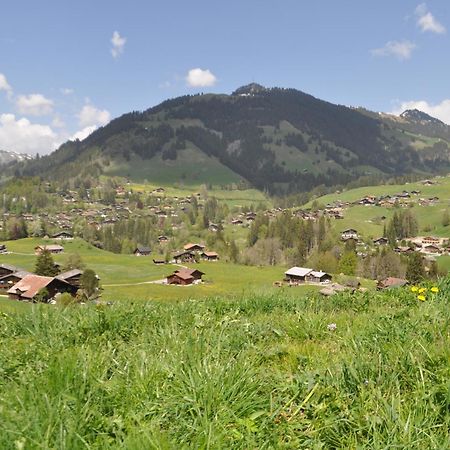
[(363, 217), (256, 371), (127, 270)]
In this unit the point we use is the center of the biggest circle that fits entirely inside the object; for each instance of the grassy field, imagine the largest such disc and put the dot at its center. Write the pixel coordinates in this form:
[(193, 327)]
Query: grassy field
[(366, 219), (255, 371), (121, 274)]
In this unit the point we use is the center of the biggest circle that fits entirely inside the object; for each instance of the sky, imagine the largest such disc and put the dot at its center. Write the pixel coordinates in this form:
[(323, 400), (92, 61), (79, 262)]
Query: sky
[(67, 68)]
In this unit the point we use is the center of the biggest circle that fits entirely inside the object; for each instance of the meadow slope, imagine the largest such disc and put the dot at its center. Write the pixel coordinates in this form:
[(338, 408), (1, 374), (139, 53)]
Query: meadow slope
[(249, 372)]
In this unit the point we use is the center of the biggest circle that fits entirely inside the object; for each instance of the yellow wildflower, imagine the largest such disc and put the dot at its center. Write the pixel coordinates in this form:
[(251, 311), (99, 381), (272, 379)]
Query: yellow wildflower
[(434, 289), (422, 290), (421, 298), (414, 289)]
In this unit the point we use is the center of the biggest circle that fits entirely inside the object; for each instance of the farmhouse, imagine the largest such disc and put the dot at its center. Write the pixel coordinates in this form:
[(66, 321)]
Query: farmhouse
[(433, 249), (3, 248), (163, 239), (430, 240), (28, 288), (297, 275), (380, 241), (210, 256), (318, 277), (185, 277), (140, 250), (63, 235), (72, 277), (6, 281), (52, 248), (184, 257), (349, 234), (194, 247)]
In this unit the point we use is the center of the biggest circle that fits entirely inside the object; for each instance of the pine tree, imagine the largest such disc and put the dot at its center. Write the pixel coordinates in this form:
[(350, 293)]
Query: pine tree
[(45, 266), (415, 271), (233, 252)]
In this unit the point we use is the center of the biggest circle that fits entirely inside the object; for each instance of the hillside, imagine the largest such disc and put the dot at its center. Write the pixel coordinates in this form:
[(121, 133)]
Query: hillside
[(277, 140), (7, 157), (366, 371)]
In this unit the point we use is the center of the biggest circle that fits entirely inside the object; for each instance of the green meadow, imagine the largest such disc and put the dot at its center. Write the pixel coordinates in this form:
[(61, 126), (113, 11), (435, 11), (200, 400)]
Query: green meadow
[(367, 219), (128, 277), (255, 371)]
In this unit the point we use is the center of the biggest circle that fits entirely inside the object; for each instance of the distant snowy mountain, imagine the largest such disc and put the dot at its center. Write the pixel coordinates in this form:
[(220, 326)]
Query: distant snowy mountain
[(7, 157)]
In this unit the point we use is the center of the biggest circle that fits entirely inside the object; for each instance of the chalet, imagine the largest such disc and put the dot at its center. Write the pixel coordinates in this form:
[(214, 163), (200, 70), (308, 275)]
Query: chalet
[(333, 289), (433, 249), (184, 257), (213, 227), (3, 248), (237, 222), (6, 269), (318, 277), (380, 241), (63, 235), (28, 288), (6, 281), (391, 282), (140, 250), (210, 256), (404, 250), (430, 240), (297, 275), (71, 276), (159, 262), (163, 239), (52, 248), (349, 234), (197, 248), (184, 277)]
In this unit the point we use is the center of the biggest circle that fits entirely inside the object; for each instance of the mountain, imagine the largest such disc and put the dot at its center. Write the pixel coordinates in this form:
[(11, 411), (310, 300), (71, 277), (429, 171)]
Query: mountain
[(414, 115), (7, 157), (275, 139)]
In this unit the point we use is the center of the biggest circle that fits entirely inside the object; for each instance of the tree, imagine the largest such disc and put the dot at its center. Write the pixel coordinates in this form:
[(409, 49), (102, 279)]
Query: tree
[(45, 266), (89, 283), (41, 296), (347, 264), (73, 261), (233, 252), (446, 219), (415, 271)]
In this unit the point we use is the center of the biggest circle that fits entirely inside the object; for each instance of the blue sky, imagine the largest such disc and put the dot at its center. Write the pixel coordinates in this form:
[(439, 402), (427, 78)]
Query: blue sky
[(69, 67)]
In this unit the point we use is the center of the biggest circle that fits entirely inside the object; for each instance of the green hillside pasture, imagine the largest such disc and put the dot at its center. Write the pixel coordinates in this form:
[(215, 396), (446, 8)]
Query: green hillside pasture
[(258, 371), (192, 167), (232, 198), (126, 277), (441, 190)]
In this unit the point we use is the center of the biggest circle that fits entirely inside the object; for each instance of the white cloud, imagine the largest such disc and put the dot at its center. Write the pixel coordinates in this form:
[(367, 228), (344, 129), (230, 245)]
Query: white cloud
[(20, 135), (427, 22), (90, 115), (402, 50), (118, 44), (5, 86), (66, 91), (200, 78), (439, 110), (34, 104), (84, 133), (57, 122)]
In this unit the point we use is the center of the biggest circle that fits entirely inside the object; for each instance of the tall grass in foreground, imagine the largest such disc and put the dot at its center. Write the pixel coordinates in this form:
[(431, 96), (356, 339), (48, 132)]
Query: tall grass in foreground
[(256, 372)]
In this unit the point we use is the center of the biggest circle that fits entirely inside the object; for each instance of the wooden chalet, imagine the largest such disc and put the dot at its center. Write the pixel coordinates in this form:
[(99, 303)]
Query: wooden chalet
[(198, 248), (184, 277), (141, 250), (63, 236), (28, 288), (318, 277), (296, 275), (52, 248), (433, 249), (3, 248), (163, 239), (210, 256), (381, 241), (71, 276), (9, 280), (349, 234), (184, 257)]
